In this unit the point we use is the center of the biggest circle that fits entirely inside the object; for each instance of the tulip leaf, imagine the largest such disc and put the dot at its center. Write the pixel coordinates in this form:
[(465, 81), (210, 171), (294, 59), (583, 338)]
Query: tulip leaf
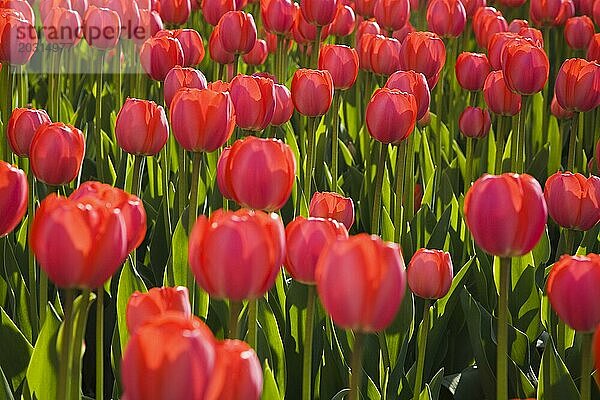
[(129, 282), (5, 391), (554, 379), (269, 327), (554, 146), (14, 362), (270, 391)]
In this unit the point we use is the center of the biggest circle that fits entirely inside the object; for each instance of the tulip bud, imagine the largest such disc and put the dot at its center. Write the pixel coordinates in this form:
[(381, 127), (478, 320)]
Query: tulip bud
[(191, 45), (573, 201), (367, 26), (159, 55), (330, 205), (237, 255), (414, 83), (342, 64), (423, 52), (498, 97), (258, 54), (344, 22), (391, 115), (526, 68), (471, 70), (385, 55), (22, 124), (150, 25), (391, 15), (19, 38), (146, 307), (254, 101), (305, 241), (487, 21), (374, 283), (129, 16), (63, 27), (593, 50), (446, 18), (213, 10), (217, 52), (237, 32), (141, 127), (495, 48), (544, 12), (284, 107), (14, 193), (577, 85), (318, 12), (430, 273), (572, 289), (101, 28), (365, 8), (277, 15), (180, 77), (474, 122), (312, 92), (506, 213), (567, 10), (175, 12)]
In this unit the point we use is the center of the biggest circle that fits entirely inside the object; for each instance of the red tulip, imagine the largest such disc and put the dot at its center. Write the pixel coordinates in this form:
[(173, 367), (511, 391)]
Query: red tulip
[(284, 107), (385, 55), (573, 291), (63, 27), (180, 77), (304, 32), (472, 6), (258, 54), (342, 64), (334, 206), (219, 86), (146, 307), (217, 52), (259, 173), (506, 213), (498, 97), (277, 15), (403, 32), (430, 273), (305, 241), (14, 192), (22, 124), (150, 25), (391, 115), (544, 12), (367, 26), (474, 122), (391, 15), (535, 35), (159, 55), (129, 15), (526, 68), (254, 101), (213, 10), (567, 10), (173, 355), (447, 18), (558, 111), (19, 38), (101, 28), (486, 22), (593, 50), (237, 32), (318, 12), (192, 46), (423, 52), (78, 245), (517, 24), (573, 201), (312, 92), (238, 374), (363, 48), (56, 153), (365, 8), (471, 70), (577, 85), (21, 6), (237, 255), (344, 22), (213, 122), (141, 127), (175, 12), (495, 48), (361, 282), (414, 83)]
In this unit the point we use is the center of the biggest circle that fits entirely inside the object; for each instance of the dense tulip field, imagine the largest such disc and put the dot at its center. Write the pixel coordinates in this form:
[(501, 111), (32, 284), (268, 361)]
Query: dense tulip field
[(329, 199)]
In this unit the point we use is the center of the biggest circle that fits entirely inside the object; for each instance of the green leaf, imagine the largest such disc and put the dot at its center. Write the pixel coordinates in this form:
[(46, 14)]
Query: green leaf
[(129, 282), (270, 391), (268, 325), (14, 362), (5, 392), (554, 380)]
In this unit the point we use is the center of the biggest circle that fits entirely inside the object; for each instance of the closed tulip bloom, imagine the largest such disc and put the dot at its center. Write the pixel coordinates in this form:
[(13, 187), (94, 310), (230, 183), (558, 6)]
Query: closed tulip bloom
[(365, 8), (175, 12), (258, 54), (430, 273), (391, 115), (101, 28), (221, 169), (567, 10), (180, 77), (486, 24), (21, 6), (385, 55), (254, 101), (260, 173), (517, 24), (77, 245), (498, 97), (277, 15), (237, 255), (213, 122), (219, 86), (367, 26), (284, 107), (577, 85), (238, 374), (447, 18), (213, 10), (526, 68), (63, 27), (14, 193), (312, 91), (593, 50), (423, 52), (414, 83), (535, 35), (166, 352), (544, 12), (361, 282), (342, 64), (331, 205), (19, 38), (344, 22), (558, 111), (192, 46), (573, 201), (363, 48), (129, 15), (471, 70), (146, 307), (150, 24), (391, 15), (506, 213), (237, 32), (141, 127), (318, 12), (403, 32), (56, 153), (572, 289), (496, 45), (474, 122), (22, 124), (217, 52), (159, 55), (471, 6), (305, 240)]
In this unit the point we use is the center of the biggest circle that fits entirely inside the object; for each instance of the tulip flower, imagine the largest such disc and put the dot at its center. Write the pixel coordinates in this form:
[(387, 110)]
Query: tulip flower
[(342, 64), (15, 29), (165, 352), (22, 124), (534, 35), (213, 10), (573, 201), (367, 26), (474, 122), (495, 48), (150, 25), (344, 22), (101, 28), (180, 77), (334, 206), (525, 67), (487, 21), (217, 52), (318, 12), (544, 12), (401, 34), (159, 55), (385, 55), (593, 50), (471, 70), (430, 273), (254, 101), (129, 16), (284, 107), (447, 18), (277, 15), (472, 6), (63, 27), (414, 83), (141, 127), (143, 308), (365, 8), (21, 6), (237, 32), (558, 111), (312, 92), (363, 48), (259, 173), (219, 86), (175, 12), (391, 115), (237, 255), (391, 15), (567, 10), (577, 86), (258, 54), (14, 193), (498, 97), (192, 46), (423, 52)]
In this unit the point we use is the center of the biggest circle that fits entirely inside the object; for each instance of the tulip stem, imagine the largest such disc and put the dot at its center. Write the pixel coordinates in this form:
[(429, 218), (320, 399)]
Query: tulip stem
[(316, 49), (63, 391), (6, 84), (252, 329), (439, 103), (192, 214), (502, 336), (337, 97), (33, 300), (356, 371), (422, 346), (579, 144), (409, 186), (98, 122), (572, 144), (499, 144), (400, 177), (137, 174), (468, 163), (77, 341), (100, 344), (586, 366), (182, 179), (378, 183), (234, 313), (308, 341), (310, 155)]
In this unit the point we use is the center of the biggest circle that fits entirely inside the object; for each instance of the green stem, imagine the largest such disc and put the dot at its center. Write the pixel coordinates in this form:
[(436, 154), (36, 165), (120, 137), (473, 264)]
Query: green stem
[(98, 123), (572, 140), (308, 344), (192, 213), (64, 384), (586, 366), (236, 66), (468, 163), (252, 321), (439, 103), (234, 313), (409, 186), (100, 344), (378, 184), (522, 136), (76, 347), (499, 144), (502, 355), (356, 371), (422, 346), (182, 180), (316, 48), (310, 156), (6, 83), (33, 300), (400, 177), (334, 139), (579, 144)]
